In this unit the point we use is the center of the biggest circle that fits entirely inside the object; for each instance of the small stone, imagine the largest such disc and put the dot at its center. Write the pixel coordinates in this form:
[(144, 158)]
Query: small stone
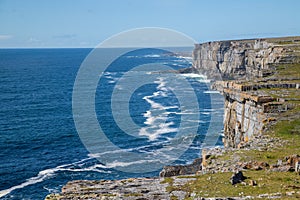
[(297, 167), (244, 183), (252, 183), (284, 168), (290, 193), (193, 194)]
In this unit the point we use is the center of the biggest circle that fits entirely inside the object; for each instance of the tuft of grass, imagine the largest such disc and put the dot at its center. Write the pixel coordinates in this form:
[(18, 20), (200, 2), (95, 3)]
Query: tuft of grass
[(288, 131), (133, 195), (284, 129), (286, 42), (173, 197), (288, 70), (168, 180)]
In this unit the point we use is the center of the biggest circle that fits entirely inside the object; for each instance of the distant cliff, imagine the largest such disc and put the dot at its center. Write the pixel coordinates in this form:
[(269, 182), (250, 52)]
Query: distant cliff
[(242, 59), (248, 68)]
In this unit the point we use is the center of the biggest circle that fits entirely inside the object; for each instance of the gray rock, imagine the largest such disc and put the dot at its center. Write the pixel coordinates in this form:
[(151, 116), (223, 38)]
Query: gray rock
[(176, 170), (297, 167), (239, 59), (237, 177)]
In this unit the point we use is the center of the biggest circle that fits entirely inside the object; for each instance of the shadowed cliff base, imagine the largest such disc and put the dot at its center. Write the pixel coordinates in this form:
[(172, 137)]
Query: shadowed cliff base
[(261, 130)]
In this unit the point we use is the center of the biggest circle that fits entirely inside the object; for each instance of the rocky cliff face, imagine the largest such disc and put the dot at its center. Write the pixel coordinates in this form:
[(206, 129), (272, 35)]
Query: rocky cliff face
[(251, 66), (240, 59), (248, 113)]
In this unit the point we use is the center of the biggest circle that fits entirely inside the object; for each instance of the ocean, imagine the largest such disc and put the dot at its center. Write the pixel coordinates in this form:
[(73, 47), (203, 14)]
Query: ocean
[(41, 148)]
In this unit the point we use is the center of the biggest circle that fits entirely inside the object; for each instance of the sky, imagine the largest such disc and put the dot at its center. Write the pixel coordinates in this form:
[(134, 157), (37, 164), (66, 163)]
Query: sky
[(86, 23)]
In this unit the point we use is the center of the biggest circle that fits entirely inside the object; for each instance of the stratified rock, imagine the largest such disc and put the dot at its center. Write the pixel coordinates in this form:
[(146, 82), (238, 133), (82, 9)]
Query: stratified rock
[(239, 59), (245, 65), (176, 170), (254, 165), (283, 168)]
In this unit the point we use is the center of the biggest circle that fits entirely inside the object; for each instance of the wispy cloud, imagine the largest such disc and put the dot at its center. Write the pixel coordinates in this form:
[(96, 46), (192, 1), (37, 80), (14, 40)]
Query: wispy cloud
[(33, 40), (5, 37), (65, 36)]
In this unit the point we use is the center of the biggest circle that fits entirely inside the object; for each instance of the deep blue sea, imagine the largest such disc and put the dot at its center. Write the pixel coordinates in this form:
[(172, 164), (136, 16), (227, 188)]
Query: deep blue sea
[(40, 148)]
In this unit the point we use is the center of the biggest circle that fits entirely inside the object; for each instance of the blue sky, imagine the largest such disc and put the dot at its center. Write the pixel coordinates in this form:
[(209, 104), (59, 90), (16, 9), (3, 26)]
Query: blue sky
[(85, 23)]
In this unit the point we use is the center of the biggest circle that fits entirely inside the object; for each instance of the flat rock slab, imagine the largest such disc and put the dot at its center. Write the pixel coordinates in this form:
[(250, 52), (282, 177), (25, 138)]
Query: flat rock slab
[(133, 189)]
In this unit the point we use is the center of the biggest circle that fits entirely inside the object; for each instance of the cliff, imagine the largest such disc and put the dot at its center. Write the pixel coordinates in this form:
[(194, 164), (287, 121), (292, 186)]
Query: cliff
[(242, 59), (248, 68)]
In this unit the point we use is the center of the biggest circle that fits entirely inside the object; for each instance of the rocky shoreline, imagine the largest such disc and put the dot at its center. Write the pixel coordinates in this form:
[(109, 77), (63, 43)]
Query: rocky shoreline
[(264, 92), (158, 187)]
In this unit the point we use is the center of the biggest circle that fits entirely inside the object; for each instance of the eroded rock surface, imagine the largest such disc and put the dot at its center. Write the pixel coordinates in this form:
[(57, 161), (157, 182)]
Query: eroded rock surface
[(241, 59)]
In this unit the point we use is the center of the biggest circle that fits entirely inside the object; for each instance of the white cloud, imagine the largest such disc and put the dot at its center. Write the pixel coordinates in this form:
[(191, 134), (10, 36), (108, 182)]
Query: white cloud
[(33, 40), (5, 37)]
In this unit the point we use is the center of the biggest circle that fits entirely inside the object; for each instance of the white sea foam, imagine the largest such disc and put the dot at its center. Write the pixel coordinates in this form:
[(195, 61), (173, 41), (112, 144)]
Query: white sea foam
[(200, 78), (203, 80), (191, 75), (115, 164), (185, 57), (50, 190), (107, 74), (209, 109), (48, 173), (211, 92), (157, 115), (131, 56), (153, 104), (205, 113), (152, 56)]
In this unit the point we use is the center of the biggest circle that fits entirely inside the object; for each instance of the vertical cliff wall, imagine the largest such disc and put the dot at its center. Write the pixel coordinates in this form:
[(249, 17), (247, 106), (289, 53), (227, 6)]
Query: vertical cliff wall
[(249, 67), (239, 59)]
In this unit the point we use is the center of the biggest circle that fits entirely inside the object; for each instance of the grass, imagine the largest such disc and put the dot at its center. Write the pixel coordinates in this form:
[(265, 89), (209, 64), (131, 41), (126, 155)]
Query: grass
[(285, 42), (218, 185), (133, 195), (287, 93), (168, 180), (173, 197), (285, 130), (283, 39), (288, 70)]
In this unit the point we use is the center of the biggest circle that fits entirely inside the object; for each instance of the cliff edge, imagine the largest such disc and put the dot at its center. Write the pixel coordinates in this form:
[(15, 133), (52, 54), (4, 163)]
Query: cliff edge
[(244, 59), (248, 73)]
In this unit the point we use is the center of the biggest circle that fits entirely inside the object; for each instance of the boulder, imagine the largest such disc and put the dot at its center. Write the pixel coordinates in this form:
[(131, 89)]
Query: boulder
[(177, 170), (237, 177)]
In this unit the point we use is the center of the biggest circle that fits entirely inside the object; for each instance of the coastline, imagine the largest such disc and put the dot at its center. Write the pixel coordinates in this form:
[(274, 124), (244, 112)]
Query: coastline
[(261, 100)]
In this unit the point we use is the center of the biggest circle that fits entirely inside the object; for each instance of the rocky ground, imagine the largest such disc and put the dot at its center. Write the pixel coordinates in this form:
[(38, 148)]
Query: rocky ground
[(217, 163)]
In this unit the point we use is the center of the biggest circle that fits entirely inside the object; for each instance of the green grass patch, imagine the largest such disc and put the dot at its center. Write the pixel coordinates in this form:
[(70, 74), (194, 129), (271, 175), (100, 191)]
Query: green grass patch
[(168, 180), (214, 185), (173, 197), (286, 130), (285, 42), (133, 195), (288, 70)]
